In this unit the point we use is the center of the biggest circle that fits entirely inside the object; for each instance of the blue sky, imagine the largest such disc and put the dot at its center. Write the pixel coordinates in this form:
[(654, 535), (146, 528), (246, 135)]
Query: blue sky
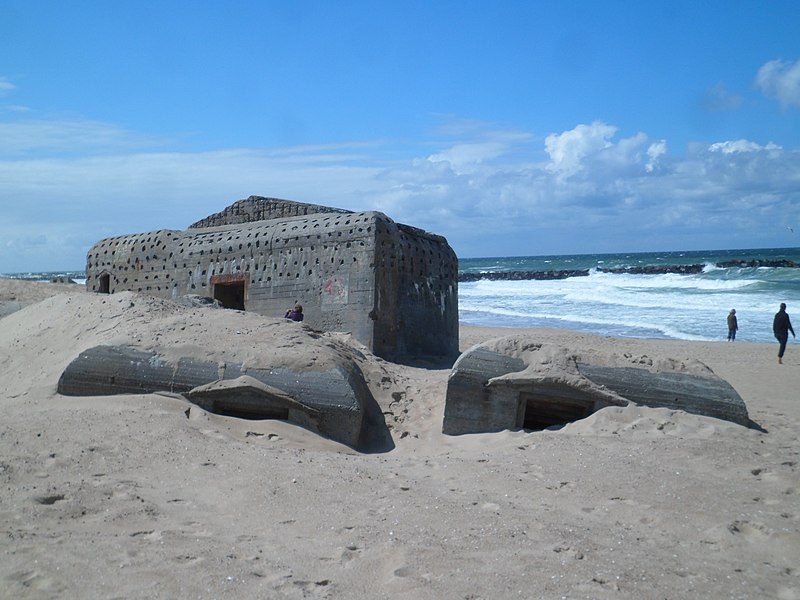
[(511, 128)]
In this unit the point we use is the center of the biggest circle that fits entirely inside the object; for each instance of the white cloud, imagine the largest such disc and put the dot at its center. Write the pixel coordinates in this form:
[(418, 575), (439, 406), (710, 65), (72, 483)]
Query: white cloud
[(780, 80), (568, 149), (43, 136), (465, 154), (588, 150), (488, 193), (655, 151), (737, 146), (482, 145)]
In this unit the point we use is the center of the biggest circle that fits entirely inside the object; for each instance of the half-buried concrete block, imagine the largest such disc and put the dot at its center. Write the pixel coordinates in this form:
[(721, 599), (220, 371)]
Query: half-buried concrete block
[(333, 401), (514, 383)]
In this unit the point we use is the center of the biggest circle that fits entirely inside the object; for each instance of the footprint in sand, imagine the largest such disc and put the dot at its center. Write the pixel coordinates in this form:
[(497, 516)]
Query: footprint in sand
[(309, 589), (763, 474), (153, 535), (350, 552), (49, 499), (195, 529), (188, 559), (751, 531)]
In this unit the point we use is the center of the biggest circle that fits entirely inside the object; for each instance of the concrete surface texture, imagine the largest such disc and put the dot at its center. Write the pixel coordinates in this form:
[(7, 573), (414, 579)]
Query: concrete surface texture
[(516, 383), (392, 286)]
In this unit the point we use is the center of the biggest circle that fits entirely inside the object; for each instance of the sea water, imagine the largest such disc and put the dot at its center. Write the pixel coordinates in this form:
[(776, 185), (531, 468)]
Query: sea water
[(76, 276), (676, 306), (689, 307)]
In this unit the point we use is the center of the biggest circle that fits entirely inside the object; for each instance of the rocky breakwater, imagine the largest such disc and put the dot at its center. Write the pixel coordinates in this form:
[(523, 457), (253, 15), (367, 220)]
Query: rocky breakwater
[(693, 269), (521, 275), (632, 270), (565, 273), (654, 269), (758, 263)]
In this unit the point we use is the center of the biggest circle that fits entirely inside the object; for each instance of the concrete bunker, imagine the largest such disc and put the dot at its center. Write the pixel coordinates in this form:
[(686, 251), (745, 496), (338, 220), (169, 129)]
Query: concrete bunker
[(394, 287), (513, 383), (332, 400)]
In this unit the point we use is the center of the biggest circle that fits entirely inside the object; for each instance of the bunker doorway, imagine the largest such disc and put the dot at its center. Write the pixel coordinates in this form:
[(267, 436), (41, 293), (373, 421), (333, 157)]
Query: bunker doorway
[(549, 406), (230, 294), (104, 283), (254, 413)]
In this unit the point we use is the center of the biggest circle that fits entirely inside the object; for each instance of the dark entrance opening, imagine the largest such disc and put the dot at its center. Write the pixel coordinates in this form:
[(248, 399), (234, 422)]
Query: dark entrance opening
[(549, 406), (255, 413), (245, 402), (229, 291), (104, 283)]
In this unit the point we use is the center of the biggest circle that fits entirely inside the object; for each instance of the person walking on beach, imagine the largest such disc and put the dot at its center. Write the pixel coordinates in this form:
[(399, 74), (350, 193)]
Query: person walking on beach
[(733, 325), (781, 326)]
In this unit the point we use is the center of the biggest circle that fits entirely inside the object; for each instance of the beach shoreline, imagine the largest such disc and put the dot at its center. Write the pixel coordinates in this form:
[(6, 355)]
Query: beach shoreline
[(145, 496)]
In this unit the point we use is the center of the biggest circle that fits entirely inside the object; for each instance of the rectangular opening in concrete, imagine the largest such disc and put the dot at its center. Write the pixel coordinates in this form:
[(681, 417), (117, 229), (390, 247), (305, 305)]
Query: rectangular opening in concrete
[(104, 283), (229, 291), (541, 409), (257, 413)]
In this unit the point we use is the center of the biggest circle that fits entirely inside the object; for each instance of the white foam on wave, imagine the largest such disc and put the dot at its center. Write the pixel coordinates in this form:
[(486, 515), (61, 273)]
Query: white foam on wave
[(596, 279), (668, 281), (631, 324), (676, 305), (622, 291), (690, 307)]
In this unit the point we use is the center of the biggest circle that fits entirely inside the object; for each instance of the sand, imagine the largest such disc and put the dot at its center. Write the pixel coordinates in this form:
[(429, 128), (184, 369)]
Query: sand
[(146, 496)]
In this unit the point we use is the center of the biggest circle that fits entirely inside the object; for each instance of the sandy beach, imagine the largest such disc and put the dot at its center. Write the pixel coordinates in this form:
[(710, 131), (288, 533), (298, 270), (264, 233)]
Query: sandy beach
[(148, 496)]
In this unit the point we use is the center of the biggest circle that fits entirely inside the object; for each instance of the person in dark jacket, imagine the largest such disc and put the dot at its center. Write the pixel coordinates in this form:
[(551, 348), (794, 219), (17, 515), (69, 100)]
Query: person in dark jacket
[(781, 326), (295, 314), (733, 325)]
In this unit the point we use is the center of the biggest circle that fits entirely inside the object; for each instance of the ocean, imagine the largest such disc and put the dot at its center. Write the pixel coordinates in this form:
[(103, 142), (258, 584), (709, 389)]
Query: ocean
[(690, 306), (76, 276), (666, 305)]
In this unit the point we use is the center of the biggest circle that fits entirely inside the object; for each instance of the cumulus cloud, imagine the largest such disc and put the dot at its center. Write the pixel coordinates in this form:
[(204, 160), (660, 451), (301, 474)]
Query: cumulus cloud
[(586, 150), (568, 149), (780, 80), (655, 151)]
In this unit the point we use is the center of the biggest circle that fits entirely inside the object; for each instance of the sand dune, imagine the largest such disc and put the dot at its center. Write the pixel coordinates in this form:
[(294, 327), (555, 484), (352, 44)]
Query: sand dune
[(148, 496)]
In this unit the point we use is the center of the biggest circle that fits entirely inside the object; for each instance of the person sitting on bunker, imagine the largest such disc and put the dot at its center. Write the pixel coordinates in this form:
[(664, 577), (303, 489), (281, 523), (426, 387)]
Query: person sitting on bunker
[(295, 314)]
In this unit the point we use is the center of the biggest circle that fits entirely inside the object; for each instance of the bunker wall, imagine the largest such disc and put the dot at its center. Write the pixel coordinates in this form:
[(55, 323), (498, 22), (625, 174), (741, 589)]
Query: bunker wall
[(417, 292), (393, 287), (259, 208)]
